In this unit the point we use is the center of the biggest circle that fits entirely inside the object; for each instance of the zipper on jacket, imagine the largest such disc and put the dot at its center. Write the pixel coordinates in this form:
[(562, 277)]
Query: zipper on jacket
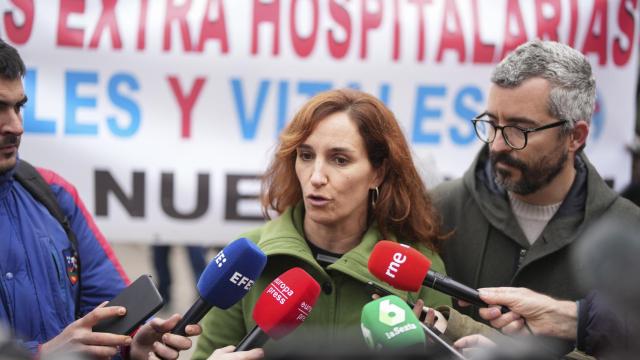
[(523, 253)]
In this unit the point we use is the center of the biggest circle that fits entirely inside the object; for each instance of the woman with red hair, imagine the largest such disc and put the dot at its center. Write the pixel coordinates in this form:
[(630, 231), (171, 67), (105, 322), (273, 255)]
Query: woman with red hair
[(342, 179)]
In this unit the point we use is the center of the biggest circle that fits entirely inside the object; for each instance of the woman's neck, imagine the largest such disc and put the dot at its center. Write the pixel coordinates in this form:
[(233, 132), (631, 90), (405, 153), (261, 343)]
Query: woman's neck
[(335, 239)]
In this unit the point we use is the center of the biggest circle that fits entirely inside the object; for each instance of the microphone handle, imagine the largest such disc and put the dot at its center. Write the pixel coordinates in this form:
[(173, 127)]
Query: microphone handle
[(197, 311), (435, 338), (455, 289), (254, 339)]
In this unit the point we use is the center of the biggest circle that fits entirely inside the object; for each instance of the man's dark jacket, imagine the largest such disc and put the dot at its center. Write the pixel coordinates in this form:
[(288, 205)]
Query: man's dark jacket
[(487, 248)]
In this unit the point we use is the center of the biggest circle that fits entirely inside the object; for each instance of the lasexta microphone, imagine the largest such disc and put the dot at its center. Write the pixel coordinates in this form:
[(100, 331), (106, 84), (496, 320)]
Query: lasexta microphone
[(388, 323), (405, 268), (227, 278), (283, 305)]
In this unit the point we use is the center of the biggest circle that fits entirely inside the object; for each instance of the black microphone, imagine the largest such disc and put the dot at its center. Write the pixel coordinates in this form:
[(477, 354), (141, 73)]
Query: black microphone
[(455, 289)]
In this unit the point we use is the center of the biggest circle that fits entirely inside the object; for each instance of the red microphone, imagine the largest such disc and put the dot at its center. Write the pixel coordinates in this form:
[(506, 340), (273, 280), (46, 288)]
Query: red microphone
[(399, 265), (405, 268), (281, 308)]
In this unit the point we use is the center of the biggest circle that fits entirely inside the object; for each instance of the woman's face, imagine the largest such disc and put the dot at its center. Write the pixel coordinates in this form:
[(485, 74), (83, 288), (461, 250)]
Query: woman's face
[(335, 173)]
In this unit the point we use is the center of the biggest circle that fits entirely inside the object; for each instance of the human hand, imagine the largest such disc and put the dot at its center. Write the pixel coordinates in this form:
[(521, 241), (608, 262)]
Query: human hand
[(434, 318), (154, 340), (226, 353), (543, 314), (472, 343), (79, 335)]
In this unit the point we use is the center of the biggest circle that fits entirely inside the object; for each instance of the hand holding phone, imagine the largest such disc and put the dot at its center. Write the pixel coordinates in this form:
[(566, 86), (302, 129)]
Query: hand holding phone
[(141, 299)]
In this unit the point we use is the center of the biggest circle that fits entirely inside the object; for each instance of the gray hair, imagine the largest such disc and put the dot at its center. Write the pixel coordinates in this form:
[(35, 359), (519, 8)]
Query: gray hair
[(573, 87)]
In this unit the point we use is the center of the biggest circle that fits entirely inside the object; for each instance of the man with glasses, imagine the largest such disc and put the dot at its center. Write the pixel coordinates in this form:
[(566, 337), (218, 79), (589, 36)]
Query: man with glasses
[(531, 190)]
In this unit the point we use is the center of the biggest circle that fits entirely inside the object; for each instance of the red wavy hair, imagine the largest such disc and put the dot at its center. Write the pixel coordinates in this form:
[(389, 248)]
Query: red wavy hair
[(403, 206)]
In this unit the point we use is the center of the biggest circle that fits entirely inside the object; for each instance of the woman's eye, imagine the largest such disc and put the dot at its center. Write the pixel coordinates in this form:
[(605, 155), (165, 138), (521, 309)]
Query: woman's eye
[(305, 155), (341, 160)]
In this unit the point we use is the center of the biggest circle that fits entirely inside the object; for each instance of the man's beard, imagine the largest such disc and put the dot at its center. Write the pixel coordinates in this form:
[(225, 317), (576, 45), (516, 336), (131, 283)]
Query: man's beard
[(533, 176), (8, 140)]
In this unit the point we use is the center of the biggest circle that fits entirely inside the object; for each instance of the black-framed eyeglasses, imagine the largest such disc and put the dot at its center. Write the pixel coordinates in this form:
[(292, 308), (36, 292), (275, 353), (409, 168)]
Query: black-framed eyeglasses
[(513, 135)]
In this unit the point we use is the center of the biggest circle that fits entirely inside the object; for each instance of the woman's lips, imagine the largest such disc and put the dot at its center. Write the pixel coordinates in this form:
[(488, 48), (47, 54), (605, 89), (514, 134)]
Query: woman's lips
[(317, 200)]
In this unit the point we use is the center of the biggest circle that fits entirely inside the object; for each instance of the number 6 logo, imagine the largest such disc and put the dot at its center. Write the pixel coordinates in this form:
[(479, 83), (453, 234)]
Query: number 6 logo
[(391, 314)]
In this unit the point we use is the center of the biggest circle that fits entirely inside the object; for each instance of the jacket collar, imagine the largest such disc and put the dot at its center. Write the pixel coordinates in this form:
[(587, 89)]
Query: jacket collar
[(284, 236), (588, 197)]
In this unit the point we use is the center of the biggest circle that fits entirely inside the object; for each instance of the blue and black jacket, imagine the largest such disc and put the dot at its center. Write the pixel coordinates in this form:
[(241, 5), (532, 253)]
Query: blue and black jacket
[(39, 287)]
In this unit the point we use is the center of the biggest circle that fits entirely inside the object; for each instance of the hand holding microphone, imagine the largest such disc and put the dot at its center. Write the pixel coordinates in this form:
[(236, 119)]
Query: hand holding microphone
[(405, 268), (227, 278), (284, 304), (543, 314)]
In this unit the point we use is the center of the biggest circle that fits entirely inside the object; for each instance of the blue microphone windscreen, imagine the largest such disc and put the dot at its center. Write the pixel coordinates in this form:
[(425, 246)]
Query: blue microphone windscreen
[(232, 273)]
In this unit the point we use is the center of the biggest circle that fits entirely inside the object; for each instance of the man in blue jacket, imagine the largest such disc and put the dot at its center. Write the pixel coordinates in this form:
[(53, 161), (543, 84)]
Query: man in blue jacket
[(41, 297)]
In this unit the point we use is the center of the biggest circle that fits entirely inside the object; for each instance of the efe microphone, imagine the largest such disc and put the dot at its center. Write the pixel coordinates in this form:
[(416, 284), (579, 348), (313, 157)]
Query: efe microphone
[(226, 279), (284, 304), (405, 268)]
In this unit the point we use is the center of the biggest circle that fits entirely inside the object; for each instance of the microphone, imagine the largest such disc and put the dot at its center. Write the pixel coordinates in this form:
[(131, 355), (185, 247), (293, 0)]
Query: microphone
[(405, 268), (388, 323), (227, 278), (284, 304)]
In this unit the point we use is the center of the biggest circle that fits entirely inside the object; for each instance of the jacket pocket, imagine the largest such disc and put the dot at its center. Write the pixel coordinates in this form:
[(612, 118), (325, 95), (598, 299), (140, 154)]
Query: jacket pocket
[(61, 296), (63, 293), (57, 261)]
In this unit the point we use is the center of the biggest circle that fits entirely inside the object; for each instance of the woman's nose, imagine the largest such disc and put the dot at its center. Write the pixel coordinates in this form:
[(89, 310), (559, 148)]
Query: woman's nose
[(318, 177)]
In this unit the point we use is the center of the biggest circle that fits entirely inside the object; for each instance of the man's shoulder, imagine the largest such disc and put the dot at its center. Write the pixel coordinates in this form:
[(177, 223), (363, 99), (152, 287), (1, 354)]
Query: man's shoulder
[(450, 186), (624, 208), (449, 191), (54, 180)]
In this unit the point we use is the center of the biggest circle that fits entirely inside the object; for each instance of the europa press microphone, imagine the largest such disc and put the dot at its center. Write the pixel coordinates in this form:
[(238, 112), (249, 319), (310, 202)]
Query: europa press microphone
[(284, 304), (405, 268), (227, 278)]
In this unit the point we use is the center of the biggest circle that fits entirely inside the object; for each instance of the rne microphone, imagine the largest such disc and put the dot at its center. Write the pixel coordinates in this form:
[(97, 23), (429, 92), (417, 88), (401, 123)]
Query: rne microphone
[(227, 278), (284, 304), (405, 268), (389, 324)]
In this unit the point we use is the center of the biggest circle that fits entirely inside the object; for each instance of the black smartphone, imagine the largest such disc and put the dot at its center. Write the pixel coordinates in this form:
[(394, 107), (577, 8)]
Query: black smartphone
[(141, 299)]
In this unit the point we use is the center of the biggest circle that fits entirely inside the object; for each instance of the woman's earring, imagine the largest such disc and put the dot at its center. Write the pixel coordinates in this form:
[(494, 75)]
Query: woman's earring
[(374, 196)]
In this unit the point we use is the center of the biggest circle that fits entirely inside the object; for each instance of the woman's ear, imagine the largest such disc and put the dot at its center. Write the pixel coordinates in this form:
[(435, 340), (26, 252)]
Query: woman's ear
[(579, 135), (380, 173)]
